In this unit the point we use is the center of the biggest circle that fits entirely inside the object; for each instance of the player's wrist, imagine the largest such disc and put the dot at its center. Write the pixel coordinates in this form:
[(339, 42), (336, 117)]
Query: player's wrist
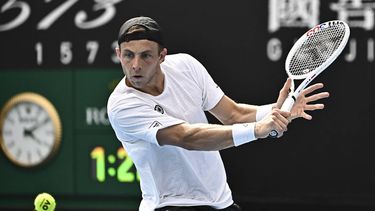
[(243, 133), (263, 110), (257, 131)]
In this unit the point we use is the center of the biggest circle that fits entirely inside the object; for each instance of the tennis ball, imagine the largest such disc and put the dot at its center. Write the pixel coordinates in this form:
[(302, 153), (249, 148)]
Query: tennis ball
[(44, 202)]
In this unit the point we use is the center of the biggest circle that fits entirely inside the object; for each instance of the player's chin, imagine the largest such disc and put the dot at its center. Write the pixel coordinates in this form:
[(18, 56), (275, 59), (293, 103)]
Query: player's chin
[(137, 83)]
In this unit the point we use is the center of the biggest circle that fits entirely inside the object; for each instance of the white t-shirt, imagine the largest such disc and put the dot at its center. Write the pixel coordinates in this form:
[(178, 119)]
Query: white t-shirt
[(170, 175)]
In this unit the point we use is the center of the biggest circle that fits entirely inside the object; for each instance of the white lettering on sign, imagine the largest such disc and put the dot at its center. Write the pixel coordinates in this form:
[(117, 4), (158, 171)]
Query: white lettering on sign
[(292, 13), (96, 116), (106, 8), (357, 13)]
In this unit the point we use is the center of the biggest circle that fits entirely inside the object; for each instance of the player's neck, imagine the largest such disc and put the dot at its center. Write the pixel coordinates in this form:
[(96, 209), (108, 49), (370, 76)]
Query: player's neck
[(157, 88)]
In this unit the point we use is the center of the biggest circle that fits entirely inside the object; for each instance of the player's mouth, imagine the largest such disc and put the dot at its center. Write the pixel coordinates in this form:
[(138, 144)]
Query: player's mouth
[(137, 78)]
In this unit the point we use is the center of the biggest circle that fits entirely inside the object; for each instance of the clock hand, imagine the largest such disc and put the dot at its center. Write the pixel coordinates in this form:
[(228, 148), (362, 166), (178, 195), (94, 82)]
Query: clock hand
[(37, 125), (33, 137), (29, 133)]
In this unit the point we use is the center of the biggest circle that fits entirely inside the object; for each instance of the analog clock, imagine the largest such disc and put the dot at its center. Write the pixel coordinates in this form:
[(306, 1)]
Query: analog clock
[(30, 129)]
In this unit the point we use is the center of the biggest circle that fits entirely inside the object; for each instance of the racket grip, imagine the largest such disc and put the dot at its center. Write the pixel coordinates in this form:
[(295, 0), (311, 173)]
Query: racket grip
[(287, 106)]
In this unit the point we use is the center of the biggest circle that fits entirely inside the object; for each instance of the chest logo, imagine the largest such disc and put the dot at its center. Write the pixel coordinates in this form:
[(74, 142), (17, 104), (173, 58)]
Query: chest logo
[(159, 109)]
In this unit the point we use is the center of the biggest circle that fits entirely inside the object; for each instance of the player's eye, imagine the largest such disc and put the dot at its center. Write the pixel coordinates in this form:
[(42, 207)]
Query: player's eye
[(146, 55), (128, 55)]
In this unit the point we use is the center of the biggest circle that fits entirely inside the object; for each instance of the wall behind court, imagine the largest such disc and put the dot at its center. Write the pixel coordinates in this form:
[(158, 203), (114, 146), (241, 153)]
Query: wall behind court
[(63, 50)]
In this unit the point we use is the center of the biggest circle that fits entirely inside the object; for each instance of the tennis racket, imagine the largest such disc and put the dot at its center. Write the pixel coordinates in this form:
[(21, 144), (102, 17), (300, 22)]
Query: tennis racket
[(313, 52)]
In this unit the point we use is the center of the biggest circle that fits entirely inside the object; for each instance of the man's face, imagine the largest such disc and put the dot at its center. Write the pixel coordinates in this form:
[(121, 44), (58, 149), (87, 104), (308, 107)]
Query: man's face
[(140, 61)]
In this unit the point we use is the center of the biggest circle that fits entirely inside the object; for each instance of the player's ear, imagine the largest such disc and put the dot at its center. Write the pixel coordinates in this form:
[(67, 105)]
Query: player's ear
[(163, 53), (118, 53)]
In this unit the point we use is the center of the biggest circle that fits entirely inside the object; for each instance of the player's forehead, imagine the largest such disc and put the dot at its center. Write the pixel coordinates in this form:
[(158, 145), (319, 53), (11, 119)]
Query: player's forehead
[(139, 46)]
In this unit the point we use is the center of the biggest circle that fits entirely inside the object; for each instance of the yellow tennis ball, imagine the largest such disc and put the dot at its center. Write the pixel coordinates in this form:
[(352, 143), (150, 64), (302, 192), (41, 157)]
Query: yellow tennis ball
[(44, 202)]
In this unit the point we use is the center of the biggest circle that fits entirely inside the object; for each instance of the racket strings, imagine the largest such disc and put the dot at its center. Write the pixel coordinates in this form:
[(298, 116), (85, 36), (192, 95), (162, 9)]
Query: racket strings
[(316, 50)]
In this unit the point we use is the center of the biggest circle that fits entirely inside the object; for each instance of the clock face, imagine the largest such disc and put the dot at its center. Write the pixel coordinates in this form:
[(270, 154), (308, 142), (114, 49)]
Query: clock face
[(30, 129)]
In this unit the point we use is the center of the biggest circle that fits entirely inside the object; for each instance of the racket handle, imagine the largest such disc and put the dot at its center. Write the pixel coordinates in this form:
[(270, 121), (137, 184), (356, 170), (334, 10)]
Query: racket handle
[(287, 106)]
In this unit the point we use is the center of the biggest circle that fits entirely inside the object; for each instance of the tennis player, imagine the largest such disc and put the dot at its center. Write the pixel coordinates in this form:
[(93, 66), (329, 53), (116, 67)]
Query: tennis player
[(158, 113)]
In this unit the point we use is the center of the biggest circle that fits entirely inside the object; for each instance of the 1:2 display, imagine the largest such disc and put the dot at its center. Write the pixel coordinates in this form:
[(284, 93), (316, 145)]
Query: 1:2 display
[(119, 165)]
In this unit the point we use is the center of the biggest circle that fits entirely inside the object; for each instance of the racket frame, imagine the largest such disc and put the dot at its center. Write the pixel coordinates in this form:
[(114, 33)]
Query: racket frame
[(293, 95)]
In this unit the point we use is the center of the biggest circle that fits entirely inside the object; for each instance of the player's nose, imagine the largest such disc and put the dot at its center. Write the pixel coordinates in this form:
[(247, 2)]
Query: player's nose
[(136, 65)]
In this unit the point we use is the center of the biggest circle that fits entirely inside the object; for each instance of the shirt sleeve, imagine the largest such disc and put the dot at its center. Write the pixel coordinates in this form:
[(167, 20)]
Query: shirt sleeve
[(211, 92), (139, 122)]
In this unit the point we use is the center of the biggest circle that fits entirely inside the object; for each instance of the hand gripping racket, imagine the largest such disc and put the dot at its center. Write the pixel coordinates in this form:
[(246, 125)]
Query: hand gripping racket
[(311, 54)]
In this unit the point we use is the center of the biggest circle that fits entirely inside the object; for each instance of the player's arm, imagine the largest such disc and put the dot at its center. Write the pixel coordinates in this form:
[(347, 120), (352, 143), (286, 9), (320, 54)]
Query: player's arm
[(196, 136), (216, 137), (230, 112)]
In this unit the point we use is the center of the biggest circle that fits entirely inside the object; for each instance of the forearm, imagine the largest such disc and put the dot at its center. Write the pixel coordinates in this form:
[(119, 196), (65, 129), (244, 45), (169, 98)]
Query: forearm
[(235, 113), (251, 113), (230, 112), (245, 113), (207, 137)]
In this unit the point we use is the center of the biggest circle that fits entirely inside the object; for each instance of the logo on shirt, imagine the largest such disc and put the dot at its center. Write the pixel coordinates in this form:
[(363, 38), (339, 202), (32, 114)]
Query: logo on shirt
[(155, 124), (159, 109)]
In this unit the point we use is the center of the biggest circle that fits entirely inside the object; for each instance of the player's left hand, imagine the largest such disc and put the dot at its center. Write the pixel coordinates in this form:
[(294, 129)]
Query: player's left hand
[(283, 94), (303, 101)]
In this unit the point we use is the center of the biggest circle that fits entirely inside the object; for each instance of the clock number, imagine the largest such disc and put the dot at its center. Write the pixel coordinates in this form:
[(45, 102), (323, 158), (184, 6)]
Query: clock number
[(29, 156), (98, 155), (11, 144), (18, 153)]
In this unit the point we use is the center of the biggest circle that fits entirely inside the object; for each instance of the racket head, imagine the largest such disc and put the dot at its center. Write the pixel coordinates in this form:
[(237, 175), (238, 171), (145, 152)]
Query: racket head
[(316, 49)]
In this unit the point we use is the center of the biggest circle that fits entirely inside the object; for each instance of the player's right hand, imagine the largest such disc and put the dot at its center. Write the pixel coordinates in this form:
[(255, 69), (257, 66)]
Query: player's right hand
[(276, 120)]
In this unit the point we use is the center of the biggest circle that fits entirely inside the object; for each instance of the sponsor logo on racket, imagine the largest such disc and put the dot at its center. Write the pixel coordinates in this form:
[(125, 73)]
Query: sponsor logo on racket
[(317, 29), (321, 27)]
